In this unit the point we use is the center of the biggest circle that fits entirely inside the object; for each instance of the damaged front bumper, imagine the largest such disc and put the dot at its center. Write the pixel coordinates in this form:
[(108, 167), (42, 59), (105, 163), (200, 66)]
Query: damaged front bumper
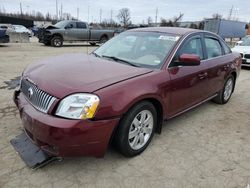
[(59, 137)]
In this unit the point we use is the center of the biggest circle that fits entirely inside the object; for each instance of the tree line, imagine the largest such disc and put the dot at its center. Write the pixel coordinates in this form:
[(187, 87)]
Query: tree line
[(123, 17)]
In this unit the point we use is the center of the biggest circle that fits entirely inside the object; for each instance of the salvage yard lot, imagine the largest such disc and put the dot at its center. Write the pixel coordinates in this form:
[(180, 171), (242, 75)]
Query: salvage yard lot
[(206, 147)]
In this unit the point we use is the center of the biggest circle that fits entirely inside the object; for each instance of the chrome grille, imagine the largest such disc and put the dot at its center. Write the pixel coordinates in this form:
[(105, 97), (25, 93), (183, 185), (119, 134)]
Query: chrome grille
[(41, 100)]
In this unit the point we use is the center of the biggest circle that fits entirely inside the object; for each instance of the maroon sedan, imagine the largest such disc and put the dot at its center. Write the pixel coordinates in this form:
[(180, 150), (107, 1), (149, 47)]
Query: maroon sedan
[(77, 104)]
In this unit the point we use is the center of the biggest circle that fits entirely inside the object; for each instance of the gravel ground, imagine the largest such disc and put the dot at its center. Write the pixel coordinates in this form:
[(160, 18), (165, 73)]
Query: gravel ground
[(206, 147)]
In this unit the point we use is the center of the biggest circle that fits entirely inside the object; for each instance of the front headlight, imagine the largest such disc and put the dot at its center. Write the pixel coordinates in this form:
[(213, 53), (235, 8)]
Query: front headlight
[(78, 106)]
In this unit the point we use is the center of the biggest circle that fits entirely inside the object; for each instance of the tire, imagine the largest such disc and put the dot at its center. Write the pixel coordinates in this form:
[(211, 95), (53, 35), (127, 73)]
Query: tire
[(130, 124), (92, 43), (225, 93), (103, 39), (57, 41)]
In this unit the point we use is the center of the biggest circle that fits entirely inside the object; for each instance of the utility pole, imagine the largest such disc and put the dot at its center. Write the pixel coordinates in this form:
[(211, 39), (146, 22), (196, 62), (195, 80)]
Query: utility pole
[(77, 13), (100, 15), (61, 11), (21, 9), (111, 16), (156, 15), (88, 13), (230, 13), (56, 10)]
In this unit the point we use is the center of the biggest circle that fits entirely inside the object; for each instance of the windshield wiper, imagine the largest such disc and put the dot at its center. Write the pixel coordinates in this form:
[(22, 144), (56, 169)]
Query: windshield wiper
[(121, 60)]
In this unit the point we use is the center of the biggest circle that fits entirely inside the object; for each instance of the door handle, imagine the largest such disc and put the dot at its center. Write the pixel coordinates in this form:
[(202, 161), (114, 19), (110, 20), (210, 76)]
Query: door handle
[(202, 75)]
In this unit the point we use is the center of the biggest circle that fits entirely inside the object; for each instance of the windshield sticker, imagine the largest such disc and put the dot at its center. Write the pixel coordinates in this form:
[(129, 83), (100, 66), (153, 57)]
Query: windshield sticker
[(164, 37), (157, 61)]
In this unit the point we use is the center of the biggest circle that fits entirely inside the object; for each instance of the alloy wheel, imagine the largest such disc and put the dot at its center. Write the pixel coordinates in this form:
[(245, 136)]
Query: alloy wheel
[(141, 129), (228, 89)]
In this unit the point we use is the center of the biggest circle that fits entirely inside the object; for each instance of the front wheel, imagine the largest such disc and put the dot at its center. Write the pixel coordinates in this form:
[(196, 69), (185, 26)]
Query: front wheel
[(225, 94), (136, 129), (57, 41)]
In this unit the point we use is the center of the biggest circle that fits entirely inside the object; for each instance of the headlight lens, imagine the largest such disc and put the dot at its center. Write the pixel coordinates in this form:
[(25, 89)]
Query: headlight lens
[(78, 106)]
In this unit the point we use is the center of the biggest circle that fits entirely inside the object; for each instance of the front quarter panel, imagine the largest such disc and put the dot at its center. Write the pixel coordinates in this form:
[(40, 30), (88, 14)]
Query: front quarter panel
[(117, 99)]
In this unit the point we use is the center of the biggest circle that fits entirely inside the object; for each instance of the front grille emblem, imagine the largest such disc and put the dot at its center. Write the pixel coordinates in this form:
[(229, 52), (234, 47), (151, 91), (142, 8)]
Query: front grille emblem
[(30, 92)]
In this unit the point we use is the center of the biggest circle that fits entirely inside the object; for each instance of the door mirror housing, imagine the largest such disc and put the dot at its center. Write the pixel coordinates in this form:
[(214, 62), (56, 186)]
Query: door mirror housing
[(189, 60)]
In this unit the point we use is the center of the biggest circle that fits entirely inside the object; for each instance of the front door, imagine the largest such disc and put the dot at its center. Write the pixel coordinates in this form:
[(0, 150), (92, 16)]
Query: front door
[(188, 83)]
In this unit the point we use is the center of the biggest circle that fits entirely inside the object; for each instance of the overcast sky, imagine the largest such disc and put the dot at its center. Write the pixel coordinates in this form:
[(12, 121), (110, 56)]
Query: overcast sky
[(140, 9)]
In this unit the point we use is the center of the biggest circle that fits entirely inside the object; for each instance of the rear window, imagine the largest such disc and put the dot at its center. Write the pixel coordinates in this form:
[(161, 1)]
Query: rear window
[(213, 47), (81, 25)]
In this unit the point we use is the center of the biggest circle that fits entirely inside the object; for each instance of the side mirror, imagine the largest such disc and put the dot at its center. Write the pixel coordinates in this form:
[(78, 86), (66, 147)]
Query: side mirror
[(90, 27), (189, 60)]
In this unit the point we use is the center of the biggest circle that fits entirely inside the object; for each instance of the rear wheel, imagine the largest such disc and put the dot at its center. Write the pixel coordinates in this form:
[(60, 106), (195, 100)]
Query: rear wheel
[(103, 39), (57, 41), (225, 94), (136, 129)]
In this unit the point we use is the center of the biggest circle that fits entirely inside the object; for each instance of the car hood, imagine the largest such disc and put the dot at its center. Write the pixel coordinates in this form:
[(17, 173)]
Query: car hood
[(241, 49), (73, 73)]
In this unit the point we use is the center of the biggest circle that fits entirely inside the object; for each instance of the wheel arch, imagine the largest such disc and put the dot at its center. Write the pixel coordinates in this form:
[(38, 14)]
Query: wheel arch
[(158, 107), (57, 35), (104, 35)]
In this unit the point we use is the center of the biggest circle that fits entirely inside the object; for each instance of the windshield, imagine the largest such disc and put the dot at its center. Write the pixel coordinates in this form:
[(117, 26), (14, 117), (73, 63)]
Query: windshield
[(61, 24), (143, 49), (245, 42)]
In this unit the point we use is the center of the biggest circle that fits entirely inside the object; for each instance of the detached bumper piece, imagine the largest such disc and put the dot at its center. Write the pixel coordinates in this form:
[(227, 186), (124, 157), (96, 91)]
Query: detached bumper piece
[(31, 154)]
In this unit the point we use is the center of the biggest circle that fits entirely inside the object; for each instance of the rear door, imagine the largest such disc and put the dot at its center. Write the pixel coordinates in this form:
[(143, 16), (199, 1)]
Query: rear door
[(218, 59), (188, 83)]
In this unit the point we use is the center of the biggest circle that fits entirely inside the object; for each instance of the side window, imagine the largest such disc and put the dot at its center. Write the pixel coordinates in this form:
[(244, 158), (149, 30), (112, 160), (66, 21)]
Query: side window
[(71, 25), (81, 25), (226, 47), (213, 47), (193, 46)]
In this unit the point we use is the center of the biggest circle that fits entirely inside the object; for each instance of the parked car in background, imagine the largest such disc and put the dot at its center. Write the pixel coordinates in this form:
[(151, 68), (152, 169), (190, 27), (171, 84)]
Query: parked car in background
[(123, 91), (22, 29), (8, 27), (243, 47), (4, 38), (69, 30)]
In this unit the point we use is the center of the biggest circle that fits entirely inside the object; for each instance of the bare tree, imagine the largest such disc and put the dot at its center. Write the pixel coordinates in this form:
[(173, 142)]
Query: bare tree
[(217, 16), (174, 22), (124, 16)]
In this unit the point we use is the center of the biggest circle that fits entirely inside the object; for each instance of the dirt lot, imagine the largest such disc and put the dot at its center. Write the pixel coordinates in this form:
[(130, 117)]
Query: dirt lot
[(206, 147)]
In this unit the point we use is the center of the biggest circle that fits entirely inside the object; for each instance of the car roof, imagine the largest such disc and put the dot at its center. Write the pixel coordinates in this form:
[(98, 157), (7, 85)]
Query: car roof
[(170, 30)]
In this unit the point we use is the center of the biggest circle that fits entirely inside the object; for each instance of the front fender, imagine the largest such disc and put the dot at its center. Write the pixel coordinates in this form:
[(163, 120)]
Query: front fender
[(117, 99)]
